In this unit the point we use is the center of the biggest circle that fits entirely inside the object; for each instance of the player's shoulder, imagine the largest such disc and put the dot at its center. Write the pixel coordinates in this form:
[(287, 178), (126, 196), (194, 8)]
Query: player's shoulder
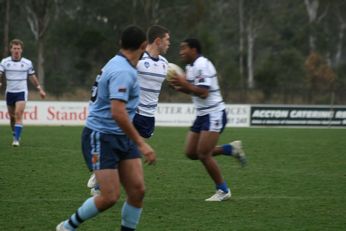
[(201, 60), (6, 60), (163, 59), (118, 63), (203, 63), (118, 66), (26, 61)]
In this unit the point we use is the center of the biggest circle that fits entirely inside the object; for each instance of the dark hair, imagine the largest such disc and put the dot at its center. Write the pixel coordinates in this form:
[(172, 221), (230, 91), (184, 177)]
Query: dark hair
[(132, 37), (16, 42), (156, 31), (194, 43)]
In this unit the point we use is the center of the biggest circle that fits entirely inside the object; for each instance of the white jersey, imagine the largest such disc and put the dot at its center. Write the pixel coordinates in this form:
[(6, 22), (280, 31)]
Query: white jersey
[(17, 73), (151, 74), (202, 73)]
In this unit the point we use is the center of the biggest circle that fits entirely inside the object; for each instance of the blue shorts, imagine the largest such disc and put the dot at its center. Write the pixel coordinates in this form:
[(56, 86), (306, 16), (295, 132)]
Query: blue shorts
[(213, 122), (145, 125), (13, 97), (105, 151)]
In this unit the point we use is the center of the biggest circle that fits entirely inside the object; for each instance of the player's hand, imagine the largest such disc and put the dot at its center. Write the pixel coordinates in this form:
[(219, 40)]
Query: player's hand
[(177, 81), (42, 94), (148, 153)]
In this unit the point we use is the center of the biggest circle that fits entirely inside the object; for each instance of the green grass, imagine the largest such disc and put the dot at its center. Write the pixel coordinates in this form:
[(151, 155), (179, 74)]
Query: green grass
[(295, 180)]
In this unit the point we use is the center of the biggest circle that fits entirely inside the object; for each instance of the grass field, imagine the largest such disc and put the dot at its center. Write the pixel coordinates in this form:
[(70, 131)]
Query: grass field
[(295, 180)]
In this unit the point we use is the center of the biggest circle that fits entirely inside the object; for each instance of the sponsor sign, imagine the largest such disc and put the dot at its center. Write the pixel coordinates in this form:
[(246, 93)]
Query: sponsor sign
[(298, 116), (173, 114), (49, 113), (75, 113)]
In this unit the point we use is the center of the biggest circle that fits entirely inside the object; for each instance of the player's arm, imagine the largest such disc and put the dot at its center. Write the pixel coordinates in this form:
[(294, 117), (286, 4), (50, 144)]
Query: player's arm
[(181, 84), (36, 83), (120, 115), (2, 70)]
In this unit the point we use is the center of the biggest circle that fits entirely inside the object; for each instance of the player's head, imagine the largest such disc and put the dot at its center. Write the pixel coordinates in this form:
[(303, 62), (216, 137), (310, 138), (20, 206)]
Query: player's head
[(132, 38), (190, 49), (16, 48), (159, 36)]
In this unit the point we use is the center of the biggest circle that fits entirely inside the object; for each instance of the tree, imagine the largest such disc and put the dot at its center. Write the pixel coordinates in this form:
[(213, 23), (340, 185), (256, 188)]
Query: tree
[(39, 14), (254, 21), (312, 7), (6, 27), (341, 7), (320, 76), (241, 41)]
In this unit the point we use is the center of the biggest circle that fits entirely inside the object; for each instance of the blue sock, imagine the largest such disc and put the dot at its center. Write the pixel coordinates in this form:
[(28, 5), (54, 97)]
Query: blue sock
[(223, 186), (85, 212), (227, 149), (130, 217), (17, 131)]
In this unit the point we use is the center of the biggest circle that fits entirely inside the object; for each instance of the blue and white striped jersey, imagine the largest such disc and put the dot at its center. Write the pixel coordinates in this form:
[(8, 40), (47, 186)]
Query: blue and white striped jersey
[(151, 74), (203, 73), (17, 73)]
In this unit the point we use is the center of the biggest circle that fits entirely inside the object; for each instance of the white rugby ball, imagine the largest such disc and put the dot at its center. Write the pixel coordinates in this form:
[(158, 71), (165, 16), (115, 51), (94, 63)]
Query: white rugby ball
[(172, 70)]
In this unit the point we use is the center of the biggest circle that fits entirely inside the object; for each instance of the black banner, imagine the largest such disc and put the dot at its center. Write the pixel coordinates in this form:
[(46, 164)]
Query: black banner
[(297, 116)]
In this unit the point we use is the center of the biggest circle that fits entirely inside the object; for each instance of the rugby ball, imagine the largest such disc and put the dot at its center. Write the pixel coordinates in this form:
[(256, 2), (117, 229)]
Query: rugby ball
[(172, 70)]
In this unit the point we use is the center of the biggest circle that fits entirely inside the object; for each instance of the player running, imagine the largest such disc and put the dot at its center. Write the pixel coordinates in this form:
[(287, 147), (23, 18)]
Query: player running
[(201, 82)]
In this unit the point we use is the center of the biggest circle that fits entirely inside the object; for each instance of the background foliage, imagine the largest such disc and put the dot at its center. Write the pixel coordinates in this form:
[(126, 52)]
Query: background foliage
[(262, 49)]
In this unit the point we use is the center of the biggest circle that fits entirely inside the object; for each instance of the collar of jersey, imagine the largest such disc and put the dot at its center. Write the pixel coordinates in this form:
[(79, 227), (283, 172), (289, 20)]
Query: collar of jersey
[(14, 60), (153, 58), (191, 64), (122, 55)]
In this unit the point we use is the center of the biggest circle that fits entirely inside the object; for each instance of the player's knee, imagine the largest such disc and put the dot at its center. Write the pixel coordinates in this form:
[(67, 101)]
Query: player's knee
[(140, 192), (111, 199), (136, 195), (191, 156), (202, 155), (18, 116)]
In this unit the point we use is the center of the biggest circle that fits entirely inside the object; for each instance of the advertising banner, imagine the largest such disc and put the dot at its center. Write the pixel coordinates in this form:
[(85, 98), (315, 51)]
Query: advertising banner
[(179, 114), (49, 113), (298, 116), (75, 113)]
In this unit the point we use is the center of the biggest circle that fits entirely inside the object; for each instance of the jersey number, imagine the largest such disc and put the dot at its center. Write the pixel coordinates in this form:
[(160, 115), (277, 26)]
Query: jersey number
[(94, 88)]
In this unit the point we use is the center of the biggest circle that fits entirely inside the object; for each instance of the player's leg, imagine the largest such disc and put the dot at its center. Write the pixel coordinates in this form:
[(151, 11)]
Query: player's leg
[(234, 149), (108, 180), (191, 145), (212, 126), (99, 156), (11, 107), (206, 144), (132, 178), (11, 111), (19, 112), (205, 147), (145, 126)]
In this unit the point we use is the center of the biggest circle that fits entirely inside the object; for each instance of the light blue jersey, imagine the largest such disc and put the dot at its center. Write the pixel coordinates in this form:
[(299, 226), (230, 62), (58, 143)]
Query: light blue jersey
[(118, 80)]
